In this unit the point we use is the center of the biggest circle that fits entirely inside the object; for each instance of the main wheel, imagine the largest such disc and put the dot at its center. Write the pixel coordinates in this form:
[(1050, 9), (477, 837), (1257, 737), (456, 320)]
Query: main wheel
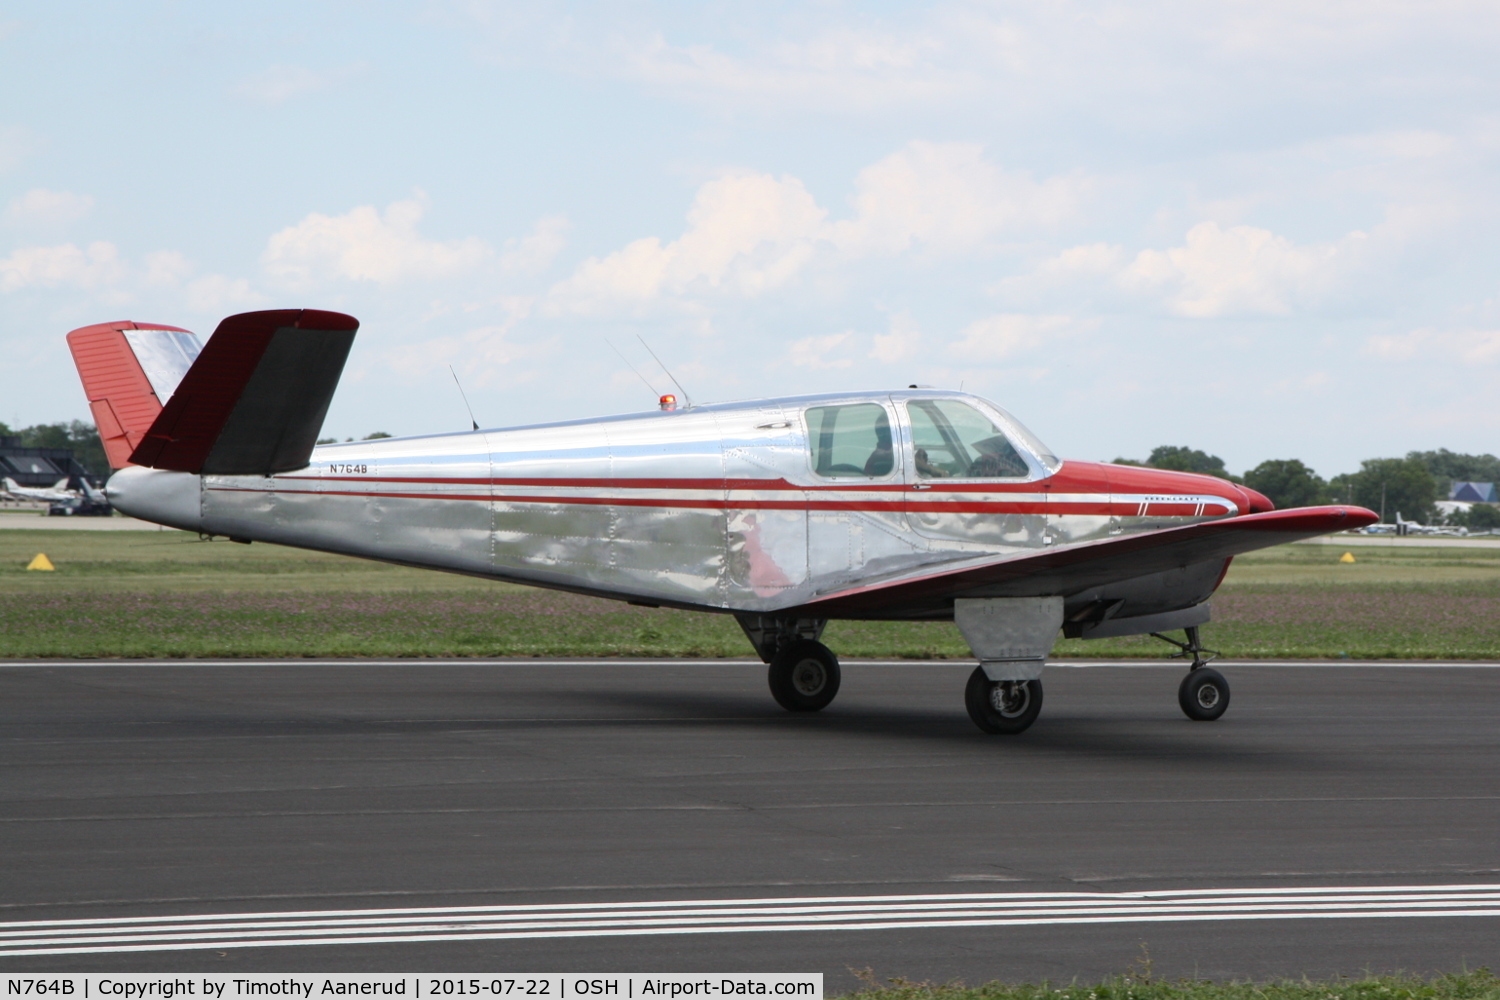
[(804, 676), (1002, 706), (1203, 695)]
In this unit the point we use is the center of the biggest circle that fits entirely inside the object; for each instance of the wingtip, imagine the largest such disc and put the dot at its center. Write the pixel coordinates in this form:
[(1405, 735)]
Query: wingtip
[(1340, 517)]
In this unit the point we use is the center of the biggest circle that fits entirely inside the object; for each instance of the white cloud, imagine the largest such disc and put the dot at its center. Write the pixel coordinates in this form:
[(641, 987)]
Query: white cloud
[(279, 84), (1476, 347), (41, 207), (366, 245), (66, 266), (839, 68), (15, 145), (167, 268), (536, 251), (750, 233), (217, 293), (834, 350), (100, 271), (903, 341), (1148, 64), (1086, 264), (745, 232), (1219, 272), (487, 355), (1000, 337), (945, 197)]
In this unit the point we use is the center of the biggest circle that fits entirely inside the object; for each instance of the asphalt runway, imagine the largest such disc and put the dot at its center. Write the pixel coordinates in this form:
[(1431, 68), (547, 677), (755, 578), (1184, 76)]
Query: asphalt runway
[(573, 816)]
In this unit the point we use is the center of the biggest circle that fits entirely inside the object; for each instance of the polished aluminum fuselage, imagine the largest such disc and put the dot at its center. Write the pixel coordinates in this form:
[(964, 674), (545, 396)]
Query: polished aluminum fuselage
[(713, 507)]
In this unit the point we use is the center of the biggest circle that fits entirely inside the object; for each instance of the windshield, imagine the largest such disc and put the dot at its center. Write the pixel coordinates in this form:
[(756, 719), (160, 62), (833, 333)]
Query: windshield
[(957, 439), (1028, 440), (954, 439)]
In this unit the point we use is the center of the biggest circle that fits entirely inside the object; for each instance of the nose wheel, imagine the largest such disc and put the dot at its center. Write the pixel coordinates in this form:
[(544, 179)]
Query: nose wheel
[(1002, 707), (1203, 693)]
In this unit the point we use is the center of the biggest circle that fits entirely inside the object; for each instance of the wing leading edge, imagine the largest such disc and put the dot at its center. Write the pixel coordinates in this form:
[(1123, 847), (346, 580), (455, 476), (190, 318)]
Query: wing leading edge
[(1075, 568)]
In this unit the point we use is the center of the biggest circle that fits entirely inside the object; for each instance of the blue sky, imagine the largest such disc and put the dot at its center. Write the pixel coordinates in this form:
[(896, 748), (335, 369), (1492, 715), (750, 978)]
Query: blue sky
[(1262, 229)]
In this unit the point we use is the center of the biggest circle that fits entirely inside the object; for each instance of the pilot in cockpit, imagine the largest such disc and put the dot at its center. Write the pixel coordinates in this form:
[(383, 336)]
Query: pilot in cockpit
[(883, 458)]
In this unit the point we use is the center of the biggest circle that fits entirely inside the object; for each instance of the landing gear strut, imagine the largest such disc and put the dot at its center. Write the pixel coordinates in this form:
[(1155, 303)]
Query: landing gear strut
[(803, 673), (1203, 693)]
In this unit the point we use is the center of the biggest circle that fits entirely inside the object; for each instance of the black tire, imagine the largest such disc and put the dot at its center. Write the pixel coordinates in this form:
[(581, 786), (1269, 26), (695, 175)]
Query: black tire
[(804, 676), (1004, 707), (1203, 695)]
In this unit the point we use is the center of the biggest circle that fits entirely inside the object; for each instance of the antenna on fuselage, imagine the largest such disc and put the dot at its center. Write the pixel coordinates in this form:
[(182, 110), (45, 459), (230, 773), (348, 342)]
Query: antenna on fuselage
[(632, 367), (686, 398), (465, 398)]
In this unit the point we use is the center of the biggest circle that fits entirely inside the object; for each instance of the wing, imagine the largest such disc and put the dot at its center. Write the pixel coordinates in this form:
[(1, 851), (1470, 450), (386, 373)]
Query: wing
[(1074, 568)]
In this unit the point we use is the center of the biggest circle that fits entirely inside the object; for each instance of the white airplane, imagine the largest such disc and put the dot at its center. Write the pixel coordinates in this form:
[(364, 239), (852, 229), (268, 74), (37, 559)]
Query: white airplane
[(911, 504), (1405, 527), (58, 492)]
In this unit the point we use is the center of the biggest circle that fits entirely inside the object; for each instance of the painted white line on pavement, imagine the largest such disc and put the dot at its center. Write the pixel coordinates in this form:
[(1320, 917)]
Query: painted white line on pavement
[(426, 663), (308, 928)]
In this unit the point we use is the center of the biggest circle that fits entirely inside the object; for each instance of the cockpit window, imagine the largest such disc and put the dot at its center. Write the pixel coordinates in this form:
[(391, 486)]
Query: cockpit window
[(850, 441), (954, 440)]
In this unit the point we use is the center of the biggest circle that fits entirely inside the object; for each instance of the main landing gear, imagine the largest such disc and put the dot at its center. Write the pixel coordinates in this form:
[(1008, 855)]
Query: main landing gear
[(803, 673), (1203, 693), (804, 676)]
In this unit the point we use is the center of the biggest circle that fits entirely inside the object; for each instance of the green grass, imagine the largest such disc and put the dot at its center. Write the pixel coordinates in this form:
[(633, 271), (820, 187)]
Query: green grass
[(167, 593), (1480, 985)]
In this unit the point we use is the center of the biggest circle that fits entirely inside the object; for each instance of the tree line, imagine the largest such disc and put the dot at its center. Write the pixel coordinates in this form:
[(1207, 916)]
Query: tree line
[(1408, 486), (82, 437), (88, 449)]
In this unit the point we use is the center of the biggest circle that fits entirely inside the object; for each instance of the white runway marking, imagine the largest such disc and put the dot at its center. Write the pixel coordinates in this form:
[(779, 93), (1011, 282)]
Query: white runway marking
[(737, 916), (303, 663)]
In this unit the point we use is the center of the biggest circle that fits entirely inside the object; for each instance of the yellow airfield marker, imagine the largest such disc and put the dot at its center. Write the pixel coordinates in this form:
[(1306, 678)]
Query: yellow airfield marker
[(41, 562), (1347, 557)]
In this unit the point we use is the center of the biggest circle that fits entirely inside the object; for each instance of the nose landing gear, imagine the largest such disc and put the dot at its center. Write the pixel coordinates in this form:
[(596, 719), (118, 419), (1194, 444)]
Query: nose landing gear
[(1203, 693), (1004, 707)]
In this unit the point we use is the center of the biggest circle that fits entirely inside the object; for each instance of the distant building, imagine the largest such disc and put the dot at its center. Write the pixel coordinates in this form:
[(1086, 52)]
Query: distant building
[(38, 466), (1474, 492)]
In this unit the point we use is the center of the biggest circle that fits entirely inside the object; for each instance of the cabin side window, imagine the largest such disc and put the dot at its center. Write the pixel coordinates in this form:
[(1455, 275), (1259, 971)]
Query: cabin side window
[(851, 441), (953, 440)]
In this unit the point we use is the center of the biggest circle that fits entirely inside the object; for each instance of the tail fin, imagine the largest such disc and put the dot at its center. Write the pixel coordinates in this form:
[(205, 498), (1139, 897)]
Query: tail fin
[(254, 400), (129, 371), (61, 484)]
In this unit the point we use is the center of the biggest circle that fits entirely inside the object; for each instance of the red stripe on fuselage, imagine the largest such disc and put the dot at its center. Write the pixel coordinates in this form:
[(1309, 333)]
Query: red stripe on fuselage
[(1080, 508), (762, 485)]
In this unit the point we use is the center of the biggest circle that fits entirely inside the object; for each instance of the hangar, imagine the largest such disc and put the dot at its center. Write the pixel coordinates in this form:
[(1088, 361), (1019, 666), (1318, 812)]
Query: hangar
[(39, 467), (1473, 492)]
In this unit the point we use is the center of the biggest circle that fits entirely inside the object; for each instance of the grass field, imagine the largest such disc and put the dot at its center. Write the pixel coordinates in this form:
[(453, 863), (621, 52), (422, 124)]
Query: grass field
[(1479, 985), (167, 593)]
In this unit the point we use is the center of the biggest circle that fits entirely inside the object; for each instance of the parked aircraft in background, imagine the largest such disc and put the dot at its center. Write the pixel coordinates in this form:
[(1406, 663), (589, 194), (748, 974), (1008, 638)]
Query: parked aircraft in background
[(58, 492), (61, 500), (784, 512), (1404, 527)]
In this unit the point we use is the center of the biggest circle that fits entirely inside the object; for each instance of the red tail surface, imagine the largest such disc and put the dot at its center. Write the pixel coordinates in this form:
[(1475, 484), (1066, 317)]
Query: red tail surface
[(129, 371)]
